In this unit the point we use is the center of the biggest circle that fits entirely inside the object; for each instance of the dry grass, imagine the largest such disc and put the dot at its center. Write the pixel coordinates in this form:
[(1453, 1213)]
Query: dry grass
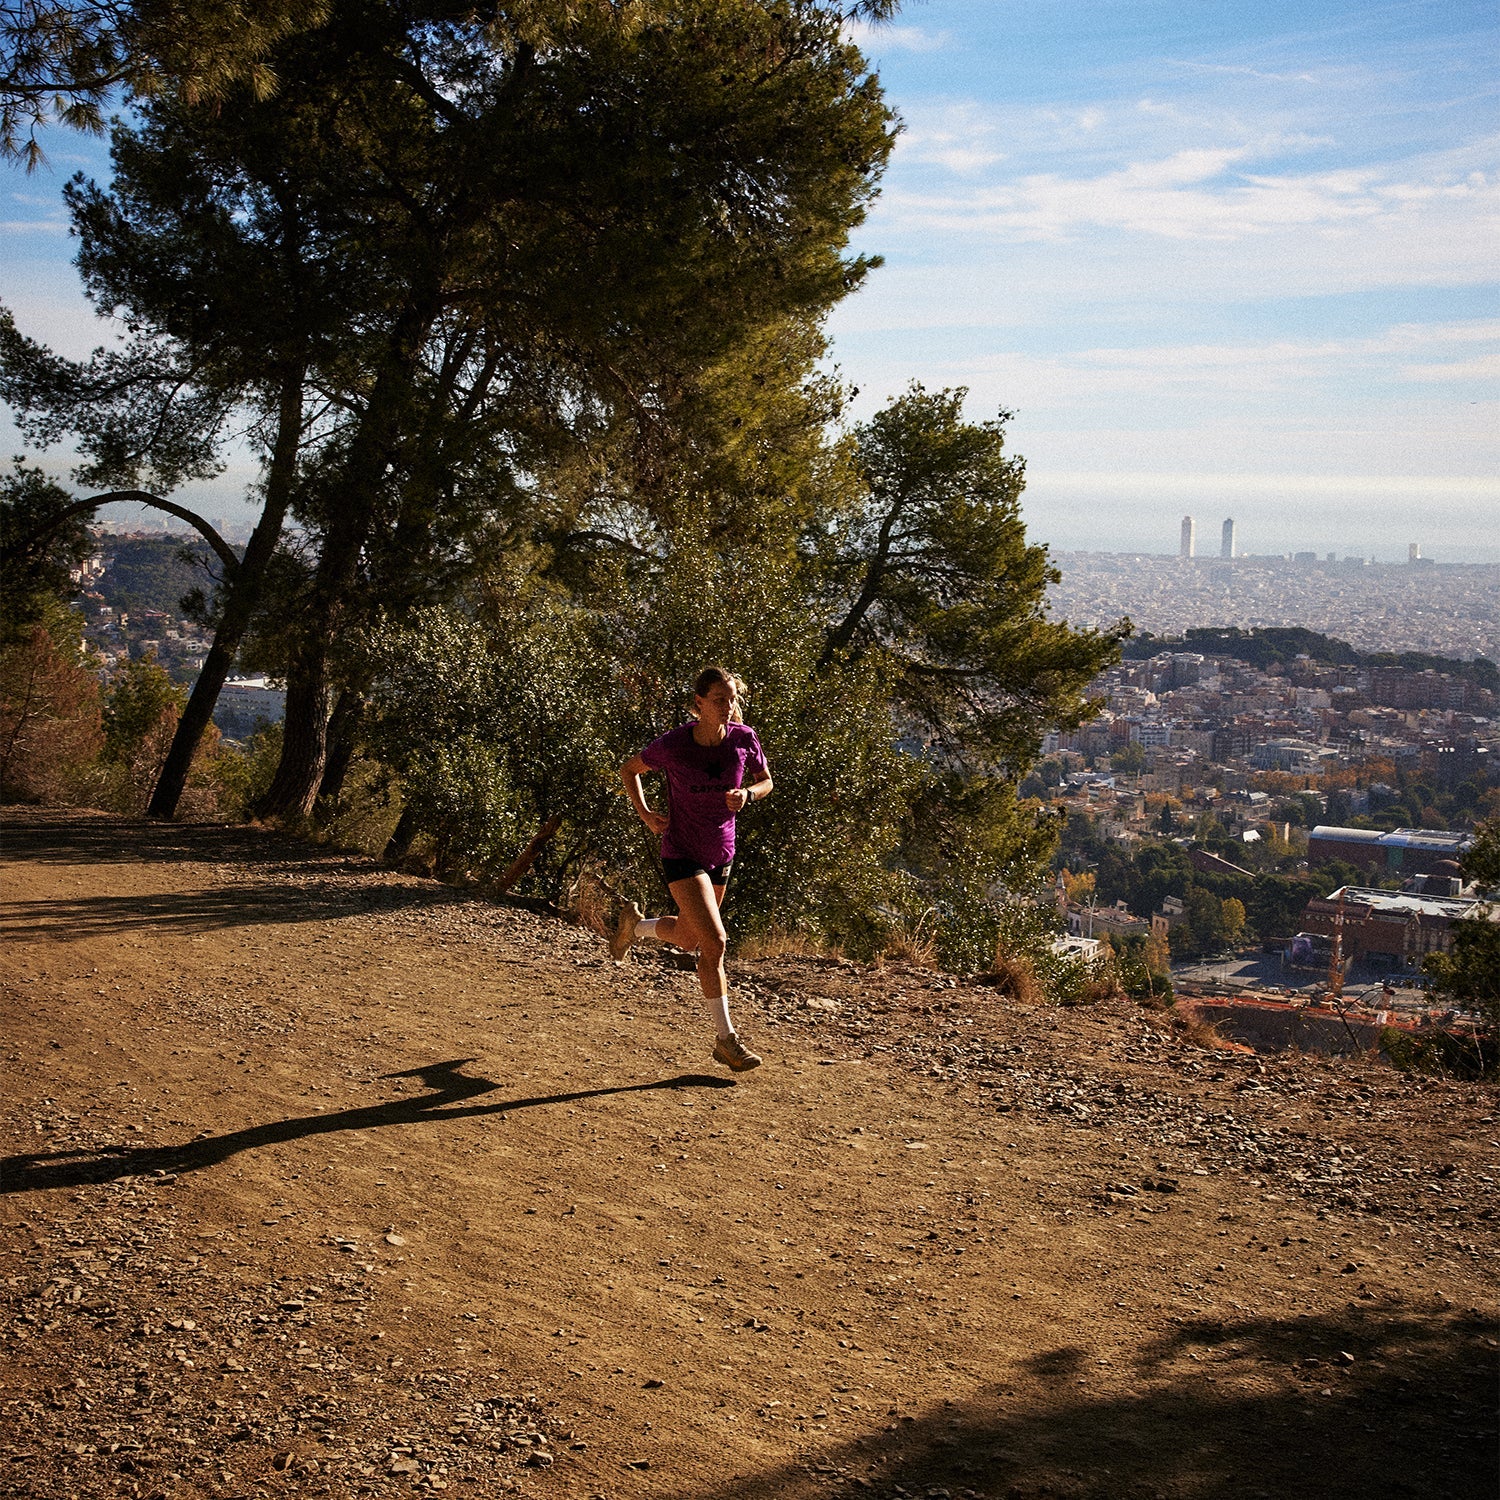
[(914, 943), (780, 943), (594, 903), (1103, 986), (1200, 1033), (1015, 975)]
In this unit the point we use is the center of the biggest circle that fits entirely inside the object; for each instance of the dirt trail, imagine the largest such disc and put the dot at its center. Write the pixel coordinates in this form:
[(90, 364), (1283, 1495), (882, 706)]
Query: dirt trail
[(322, 1179)]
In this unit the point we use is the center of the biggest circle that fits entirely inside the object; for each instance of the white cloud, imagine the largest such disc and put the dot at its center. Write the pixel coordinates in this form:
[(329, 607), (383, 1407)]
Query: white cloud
[(48, 201), (1233, 70), (1042, 247), (1408, 455), (1182, 169), (1195, 194), (1266, 383), (1047, 201), (1305, 359), (959, 138), (1310, 486), (57, 314), (1486, 368), (1205, 373), (1248, 415), (874, 39), (1470, 331)]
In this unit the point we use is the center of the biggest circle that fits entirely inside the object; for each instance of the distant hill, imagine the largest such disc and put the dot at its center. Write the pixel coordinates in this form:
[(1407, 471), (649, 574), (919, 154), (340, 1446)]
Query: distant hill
[(149, 572), (1278, 644)]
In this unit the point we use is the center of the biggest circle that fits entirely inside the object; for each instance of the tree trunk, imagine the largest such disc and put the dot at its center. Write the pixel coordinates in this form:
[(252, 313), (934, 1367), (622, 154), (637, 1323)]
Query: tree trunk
[(374, 450), (401, 837), (242, 596), (842, 633), (309, 679), (139, 497), (304, 737), (342, 727), (528, 855)]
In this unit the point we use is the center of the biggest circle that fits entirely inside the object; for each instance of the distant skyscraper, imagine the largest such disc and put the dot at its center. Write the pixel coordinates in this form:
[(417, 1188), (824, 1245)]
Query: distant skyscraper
[(1188, 537), (1226, 547), (1413, 551)]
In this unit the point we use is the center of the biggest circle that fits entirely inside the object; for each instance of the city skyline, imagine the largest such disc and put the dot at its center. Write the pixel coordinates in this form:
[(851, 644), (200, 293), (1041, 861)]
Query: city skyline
[(1230, 550), (236, 524)]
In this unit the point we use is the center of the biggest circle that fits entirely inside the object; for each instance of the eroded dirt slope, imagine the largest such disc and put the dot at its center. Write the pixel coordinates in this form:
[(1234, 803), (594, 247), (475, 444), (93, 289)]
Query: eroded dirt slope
[(325, 1180)]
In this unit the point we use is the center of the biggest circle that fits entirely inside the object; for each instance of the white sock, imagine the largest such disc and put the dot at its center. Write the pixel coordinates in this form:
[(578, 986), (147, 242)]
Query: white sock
[(646, 927), (718, 1008)]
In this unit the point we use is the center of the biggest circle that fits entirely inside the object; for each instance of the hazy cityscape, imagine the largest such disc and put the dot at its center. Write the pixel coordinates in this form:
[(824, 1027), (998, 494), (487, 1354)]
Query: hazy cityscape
[(1448, 609), (1422, 604)]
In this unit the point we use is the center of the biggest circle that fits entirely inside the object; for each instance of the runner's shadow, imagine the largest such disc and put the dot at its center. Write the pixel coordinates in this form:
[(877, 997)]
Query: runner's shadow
[(42, 1171)]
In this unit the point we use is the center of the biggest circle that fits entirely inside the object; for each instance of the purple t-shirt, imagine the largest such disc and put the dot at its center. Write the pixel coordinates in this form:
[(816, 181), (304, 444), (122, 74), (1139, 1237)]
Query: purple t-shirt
[(698, 776)]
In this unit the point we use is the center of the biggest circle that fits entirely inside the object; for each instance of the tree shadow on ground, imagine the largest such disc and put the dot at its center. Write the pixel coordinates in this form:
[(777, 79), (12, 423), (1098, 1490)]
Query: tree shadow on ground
[(212, 908), (45, 1171), (1258, 1409), (44, 835), (72, 836)]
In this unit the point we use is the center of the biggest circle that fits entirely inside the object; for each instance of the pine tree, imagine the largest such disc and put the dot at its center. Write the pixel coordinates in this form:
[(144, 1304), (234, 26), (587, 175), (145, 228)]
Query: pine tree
[(525, 225), (63, 60)]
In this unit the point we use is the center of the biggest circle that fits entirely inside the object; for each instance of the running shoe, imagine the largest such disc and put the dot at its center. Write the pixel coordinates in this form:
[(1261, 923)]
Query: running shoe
[(735, 1055), (619, 944)]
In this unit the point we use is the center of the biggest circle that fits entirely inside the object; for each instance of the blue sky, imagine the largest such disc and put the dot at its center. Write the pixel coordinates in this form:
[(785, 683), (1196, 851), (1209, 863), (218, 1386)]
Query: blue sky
[(1225, 259), (1217, 258)]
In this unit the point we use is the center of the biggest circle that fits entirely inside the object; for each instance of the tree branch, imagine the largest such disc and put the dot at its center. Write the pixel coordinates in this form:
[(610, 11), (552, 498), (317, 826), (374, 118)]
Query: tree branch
[(140, 497), (606, 537)]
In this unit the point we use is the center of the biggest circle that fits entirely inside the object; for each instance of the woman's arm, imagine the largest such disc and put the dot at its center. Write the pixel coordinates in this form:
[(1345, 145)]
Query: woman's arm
[(742, 796), (631, 773)]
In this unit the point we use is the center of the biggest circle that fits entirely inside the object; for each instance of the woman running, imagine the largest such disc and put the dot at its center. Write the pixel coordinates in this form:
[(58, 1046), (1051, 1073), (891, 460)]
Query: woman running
[(714, 768)]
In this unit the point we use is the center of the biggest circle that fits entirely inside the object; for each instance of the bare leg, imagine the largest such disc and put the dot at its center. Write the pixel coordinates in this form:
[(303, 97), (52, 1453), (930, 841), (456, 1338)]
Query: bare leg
[(670, 930), (698, 922), (664, 929), (698, 926), (680, 930)]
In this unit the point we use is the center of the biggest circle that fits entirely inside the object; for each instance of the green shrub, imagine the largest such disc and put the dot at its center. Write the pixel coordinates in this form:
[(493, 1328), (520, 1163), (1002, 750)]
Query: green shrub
[(246, 772)]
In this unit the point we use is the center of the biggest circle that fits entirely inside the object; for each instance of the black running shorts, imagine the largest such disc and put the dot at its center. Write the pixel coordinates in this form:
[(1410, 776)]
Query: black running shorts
[(685, 869)]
